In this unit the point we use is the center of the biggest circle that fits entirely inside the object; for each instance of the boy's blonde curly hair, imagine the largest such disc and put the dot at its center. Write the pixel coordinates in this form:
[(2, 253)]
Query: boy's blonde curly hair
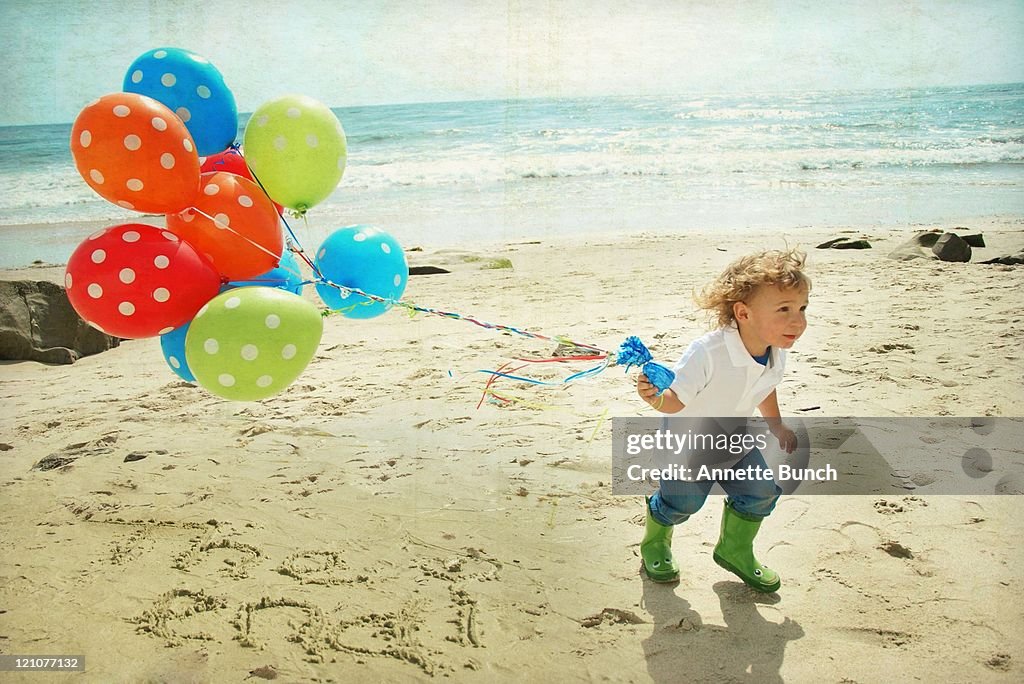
[(742, 278)]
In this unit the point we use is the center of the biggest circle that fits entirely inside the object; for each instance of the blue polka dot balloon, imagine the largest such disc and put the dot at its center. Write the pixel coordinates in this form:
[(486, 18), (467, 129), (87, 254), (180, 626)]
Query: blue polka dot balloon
[(193, 89), (365, 258), (172, 344)]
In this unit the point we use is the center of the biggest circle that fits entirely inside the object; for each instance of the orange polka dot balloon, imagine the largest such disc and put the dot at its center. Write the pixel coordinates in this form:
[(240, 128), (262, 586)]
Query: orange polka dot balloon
[(134, 280), (135, 152), (233, 224)]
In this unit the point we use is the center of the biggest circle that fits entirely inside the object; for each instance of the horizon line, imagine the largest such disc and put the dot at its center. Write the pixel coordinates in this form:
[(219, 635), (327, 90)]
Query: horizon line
[(686, 93)]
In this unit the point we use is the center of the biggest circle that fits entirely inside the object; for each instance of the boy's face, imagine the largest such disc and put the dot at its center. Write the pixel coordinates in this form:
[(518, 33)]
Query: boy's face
[(774, 315)]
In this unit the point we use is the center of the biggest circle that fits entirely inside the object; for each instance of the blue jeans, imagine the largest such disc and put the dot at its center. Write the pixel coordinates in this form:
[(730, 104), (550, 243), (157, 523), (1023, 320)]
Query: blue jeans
[(674, 503)]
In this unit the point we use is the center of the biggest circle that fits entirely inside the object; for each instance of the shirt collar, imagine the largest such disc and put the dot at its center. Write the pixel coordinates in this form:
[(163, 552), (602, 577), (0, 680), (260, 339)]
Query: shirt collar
[(738, 353)]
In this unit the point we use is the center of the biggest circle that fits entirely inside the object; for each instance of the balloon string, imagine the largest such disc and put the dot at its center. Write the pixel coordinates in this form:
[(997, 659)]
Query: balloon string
[(223, 226), (368, 299)]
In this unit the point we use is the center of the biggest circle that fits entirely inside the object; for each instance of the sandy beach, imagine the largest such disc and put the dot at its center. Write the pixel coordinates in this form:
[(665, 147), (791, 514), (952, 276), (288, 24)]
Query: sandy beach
[(371, 523)]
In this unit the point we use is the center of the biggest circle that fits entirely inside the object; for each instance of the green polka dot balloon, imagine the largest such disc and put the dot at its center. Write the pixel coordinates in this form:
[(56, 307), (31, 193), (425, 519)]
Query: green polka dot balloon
[(296, 147), (250, 343)]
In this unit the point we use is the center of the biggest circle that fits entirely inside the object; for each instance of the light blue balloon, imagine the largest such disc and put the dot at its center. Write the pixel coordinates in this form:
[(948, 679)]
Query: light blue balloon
[(286, 276), (172, 344), (365, 258), (193, 89)]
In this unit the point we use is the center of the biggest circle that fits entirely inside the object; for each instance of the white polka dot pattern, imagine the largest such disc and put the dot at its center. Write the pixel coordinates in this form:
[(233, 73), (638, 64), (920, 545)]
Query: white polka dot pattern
[(383, 270), (134, 282), (137, 136), (253, 342), (234, 224)]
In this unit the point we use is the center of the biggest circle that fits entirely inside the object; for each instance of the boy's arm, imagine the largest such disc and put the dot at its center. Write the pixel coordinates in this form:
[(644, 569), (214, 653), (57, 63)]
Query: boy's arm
[(769, 408), (666, 402)]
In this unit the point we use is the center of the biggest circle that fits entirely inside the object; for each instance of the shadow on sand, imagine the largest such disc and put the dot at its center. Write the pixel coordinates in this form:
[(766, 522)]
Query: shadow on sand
[(682, 647)]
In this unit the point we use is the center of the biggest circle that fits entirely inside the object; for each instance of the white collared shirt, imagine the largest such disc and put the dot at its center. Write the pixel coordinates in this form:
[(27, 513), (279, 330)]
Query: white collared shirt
[(716, 376)]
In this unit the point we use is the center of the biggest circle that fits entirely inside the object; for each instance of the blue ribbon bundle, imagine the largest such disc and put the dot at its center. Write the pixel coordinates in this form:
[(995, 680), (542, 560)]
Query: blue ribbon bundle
[(633, 352)]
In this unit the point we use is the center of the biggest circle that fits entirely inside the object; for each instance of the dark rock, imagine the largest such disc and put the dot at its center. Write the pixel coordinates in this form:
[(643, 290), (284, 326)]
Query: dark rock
[(852, 244), (37, 323), (135, 456), (426, 270), (1007, 259), (974, 239), (52, 462), (844, 243), (952, 247), (917, 247)]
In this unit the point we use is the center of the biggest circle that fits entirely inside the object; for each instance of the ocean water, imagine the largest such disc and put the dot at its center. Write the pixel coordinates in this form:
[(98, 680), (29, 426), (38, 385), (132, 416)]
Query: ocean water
[(439, 174)]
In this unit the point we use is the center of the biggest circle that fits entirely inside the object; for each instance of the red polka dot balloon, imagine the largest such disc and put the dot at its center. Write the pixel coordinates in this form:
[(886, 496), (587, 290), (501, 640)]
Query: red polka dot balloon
[(234, 225), (135, 152), (231, 161), (134, 280)]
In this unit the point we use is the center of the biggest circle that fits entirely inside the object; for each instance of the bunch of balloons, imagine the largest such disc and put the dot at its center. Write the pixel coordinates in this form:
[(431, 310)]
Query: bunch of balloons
[(216, 282)]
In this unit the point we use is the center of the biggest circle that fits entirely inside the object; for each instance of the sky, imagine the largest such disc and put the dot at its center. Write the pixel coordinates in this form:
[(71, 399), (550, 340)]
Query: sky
[(58, 55)]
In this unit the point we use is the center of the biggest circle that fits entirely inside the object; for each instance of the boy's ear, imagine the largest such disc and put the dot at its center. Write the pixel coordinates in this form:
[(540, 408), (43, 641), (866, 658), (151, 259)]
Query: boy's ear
[(740, 311)]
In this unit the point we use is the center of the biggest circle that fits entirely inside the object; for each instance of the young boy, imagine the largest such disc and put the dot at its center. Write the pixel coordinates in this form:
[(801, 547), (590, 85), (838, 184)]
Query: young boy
[(759, 302)]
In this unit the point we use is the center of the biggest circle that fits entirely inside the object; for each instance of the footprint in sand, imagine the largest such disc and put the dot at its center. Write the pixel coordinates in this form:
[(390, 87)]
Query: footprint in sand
[(877, 636), (305, 486), (907, 503), (864, 543), (67, 455)]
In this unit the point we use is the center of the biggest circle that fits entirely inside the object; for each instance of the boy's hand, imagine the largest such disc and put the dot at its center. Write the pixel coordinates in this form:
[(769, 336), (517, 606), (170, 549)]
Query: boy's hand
[(787, 438), (645, 389)]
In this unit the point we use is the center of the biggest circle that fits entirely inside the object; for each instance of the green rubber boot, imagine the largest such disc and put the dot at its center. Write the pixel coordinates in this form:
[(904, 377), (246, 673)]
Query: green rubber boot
[(656, 549), (735, 551)]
